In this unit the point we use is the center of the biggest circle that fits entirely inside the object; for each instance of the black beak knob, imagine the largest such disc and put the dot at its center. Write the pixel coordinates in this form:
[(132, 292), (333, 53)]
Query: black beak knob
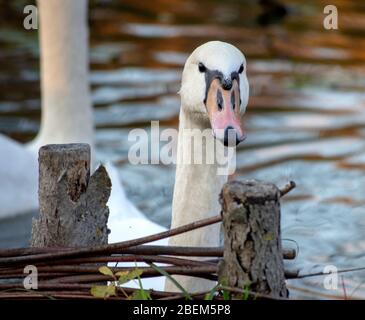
[(227, 84), (229, 140)]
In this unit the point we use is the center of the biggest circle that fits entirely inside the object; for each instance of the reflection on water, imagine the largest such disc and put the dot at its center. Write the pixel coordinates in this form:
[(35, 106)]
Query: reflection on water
[(305, 121)]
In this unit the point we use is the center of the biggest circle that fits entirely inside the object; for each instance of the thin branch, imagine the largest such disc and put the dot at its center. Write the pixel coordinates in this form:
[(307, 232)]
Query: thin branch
[(315, 274), (110, 248), (135, 250), (287, 188)]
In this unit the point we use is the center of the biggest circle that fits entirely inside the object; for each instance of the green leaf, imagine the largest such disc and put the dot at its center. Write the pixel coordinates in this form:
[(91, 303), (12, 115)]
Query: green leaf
[(226, 295), (105, 270), (122, 273), (145, 294), (164, 273), (140, 295), (125, 276), (135, 274), (103, 291), (246, 291)]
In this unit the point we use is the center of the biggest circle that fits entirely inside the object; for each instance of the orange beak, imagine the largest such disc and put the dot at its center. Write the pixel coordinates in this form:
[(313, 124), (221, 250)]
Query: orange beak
[(223, 107)]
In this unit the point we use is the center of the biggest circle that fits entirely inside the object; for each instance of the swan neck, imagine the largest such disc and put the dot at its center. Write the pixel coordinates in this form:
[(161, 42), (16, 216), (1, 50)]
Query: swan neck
[(197, 186), (66, 104)]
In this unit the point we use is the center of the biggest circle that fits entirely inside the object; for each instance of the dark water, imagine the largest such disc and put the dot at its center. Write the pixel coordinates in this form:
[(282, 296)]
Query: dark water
[(305, 120)]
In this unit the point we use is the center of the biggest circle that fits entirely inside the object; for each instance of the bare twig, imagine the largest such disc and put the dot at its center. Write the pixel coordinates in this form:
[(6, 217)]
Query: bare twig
[(316, 274), (141, 250), (287, 188), (110, 248)]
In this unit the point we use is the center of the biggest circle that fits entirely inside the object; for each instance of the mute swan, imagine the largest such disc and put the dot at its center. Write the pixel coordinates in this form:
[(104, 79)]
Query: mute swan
[(214, 93)]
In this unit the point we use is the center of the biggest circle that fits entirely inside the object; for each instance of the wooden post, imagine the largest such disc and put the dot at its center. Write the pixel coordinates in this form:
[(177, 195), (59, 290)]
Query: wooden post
[(73, 210), (253, 257)]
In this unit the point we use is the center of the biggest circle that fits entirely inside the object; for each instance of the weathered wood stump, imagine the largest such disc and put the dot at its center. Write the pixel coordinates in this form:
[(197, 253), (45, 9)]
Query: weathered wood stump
[(253, 256), (73, 210)]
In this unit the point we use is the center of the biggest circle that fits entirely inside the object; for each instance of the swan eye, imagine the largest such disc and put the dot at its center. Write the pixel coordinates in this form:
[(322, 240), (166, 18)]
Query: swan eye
[(241, 68), (202, 67)]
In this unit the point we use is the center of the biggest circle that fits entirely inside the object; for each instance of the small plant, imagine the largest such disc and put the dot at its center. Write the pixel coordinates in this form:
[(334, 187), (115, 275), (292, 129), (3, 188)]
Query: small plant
[(222, 291), (226, 292), (120, 278), (246, 291)]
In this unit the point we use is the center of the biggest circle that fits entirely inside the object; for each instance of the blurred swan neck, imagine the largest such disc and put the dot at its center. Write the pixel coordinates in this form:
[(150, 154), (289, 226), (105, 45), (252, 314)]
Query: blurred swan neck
[(66, 104)]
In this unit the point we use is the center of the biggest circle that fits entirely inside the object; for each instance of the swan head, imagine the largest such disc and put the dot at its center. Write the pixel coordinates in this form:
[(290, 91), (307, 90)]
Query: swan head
[(214, 86)]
